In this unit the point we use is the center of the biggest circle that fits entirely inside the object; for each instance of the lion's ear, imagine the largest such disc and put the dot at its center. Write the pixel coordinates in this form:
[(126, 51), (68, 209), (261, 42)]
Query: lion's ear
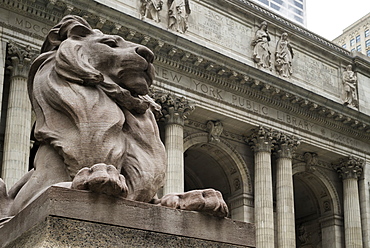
[(79, 31)]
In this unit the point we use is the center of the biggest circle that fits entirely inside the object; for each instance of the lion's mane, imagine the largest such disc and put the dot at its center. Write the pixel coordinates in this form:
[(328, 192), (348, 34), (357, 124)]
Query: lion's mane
[(88, 120)]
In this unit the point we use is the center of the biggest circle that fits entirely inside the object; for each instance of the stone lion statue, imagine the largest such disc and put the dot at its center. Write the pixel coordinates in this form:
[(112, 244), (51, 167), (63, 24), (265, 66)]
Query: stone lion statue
[(96, 124)]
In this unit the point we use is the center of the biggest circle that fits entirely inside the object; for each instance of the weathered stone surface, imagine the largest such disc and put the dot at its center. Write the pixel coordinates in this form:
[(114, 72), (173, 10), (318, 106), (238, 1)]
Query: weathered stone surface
[(95, 122), (63, 217)]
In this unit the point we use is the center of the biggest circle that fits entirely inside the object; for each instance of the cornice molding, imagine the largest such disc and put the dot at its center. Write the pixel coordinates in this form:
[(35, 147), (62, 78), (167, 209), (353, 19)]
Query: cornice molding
[(175, 54)]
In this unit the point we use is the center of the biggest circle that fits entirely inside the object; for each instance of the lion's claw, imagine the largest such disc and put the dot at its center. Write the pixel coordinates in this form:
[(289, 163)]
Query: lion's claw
[(101, 178), (207, 201)]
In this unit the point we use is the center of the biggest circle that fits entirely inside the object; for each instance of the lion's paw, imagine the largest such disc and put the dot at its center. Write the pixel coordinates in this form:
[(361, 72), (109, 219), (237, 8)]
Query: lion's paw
[(101, 178), (207, 201)]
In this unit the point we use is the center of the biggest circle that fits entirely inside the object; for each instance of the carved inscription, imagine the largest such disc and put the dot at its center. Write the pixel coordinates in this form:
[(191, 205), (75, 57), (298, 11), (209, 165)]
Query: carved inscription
[(250, 106), (18, 23), (220, 29), (317, 73)]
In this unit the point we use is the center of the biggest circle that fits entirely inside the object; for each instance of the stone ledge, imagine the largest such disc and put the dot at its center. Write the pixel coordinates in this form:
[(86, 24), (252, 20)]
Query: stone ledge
[(63, 217)]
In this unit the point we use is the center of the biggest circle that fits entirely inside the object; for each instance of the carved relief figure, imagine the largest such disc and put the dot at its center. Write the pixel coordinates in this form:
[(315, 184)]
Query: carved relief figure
[(349, 84), (284, 56), (215, 129), (178, 13), (96, 123), (150, 9), (261, 51)]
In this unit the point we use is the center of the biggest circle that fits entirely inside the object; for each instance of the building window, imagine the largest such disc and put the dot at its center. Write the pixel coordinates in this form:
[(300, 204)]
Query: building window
[(274, 6), (264, 1), (278, 1), (297, 18), (367, 43), (367, 33), (299, 5), (352, 42), (359, 48), (344, 45), (368, 53), (358, 39)]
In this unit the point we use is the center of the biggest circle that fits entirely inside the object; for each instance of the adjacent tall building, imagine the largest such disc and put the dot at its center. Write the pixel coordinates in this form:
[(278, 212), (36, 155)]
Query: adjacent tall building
[(356, 37), (294, 10)]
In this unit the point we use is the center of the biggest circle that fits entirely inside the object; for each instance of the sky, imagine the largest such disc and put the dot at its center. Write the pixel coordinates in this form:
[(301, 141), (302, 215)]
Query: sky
[(328, 18)]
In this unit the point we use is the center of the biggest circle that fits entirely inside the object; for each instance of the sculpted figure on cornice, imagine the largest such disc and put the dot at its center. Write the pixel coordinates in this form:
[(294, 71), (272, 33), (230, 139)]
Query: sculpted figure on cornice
[(284, 56), (261, 51), (215, 129), (150, 9), (349, 85), (178, 13)]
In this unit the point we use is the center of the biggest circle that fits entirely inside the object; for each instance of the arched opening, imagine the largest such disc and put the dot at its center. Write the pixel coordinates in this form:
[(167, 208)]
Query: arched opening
[(216, 165), (317, 209), (204, 171)]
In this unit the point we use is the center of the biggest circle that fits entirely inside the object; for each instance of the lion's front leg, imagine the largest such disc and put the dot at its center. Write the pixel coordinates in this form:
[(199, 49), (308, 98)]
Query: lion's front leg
[(207, 201), (101, 178)]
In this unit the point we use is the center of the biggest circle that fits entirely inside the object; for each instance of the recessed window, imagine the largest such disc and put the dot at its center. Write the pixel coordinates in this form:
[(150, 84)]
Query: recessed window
[(367, 33), (367, 43), (278, 1), (352, 42), (344, 45), (352, 50), (274, 6), (264, 1), (368, 53), (358, 39), (299, 5), (358, 48)]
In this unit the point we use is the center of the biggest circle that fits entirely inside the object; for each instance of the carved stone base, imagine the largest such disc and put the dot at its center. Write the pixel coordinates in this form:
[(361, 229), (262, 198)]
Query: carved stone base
[(70, 218)]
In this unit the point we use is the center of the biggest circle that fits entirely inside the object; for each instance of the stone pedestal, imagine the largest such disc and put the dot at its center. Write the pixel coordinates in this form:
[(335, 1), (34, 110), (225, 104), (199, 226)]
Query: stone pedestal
[(62, 217)]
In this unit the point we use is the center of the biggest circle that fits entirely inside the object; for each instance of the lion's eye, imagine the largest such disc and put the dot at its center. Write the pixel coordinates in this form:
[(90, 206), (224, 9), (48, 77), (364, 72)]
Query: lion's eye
[(110, 42)]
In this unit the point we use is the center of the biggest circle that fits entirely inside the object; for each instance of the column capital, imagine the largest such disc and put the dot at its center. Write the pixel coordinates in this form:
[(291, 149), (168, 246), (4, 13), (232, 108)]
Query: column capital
[(261, 139), (21, 58), (350, 167), (285, 144), (175, 109)]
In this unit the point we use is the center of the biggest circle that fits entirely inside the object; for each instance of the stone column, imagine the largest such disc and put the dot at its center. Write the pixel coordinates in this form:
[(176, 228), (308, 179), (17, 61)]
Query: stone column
[(284, 190), (175, 110), (364, 188), (18, 122), (350, 170), (2, 70), (261, 142)]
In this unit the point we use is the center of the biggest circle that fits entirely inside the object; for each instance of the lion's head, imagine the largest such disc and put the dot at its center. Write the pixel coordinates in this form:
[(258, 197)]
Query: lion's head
[(87, 56)]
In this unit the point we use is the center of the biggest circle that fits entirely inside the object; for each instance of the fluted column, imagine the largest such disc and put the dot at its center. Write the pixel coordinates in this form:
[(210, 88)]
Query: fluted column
[(18, 121), (2, 70), (284, 190), (261, 142), (350, 170), (175, 111)]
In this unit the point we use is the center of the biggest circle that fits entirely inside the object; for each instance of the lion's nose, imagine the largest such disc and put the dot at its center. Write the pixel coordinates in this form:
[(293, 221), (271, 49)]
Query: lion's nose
[(146, 53)]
